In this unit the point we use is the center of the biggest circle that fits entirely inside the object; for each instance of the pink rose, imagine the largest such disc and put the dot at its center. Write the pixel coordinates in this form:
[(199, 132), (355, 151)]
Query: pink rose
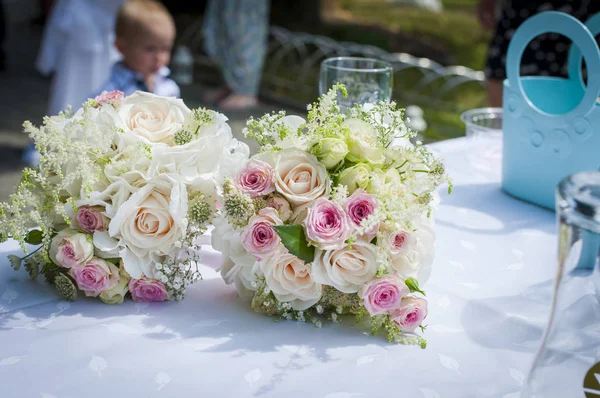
[(326, 225), (91, 219), (146, 289), (282, 206), (69, 248), (411, 313), (259, 238), (359, 206), (256, 178), (95, 276), (383, 295), (399, 242), (111, 97)]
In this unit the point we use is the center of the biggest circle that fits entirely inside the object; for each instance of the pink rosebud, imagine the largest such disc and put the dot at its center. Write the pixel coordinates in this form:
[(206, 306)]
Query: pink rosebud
[(91, 219), (113, 98), (69, 248), (412, 311), (383, 295), (326, 225), (259, 238), (146, 289), (95, 276), (359, 206), (282, 206), (256, 178)]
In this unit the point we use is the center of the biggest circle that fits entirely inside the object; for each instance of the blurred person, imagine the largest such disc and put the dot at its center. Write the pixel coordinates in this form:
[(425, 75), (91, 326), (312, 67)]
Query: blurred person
[(546, 55), (77, 50), (235, 33), (145, 32)]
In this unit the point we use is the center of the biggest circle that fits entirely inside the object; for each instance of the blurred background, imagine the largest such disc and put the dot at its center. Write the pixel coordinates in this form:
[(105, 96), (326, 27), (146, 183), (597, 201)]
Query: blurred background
[(437, 49)]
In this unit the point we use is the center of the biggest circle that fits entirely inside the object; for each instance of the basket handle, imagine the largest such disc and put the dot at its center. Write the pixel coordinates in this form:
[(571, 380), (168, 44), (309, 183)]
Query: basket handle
[(556, 22), (575, 57)]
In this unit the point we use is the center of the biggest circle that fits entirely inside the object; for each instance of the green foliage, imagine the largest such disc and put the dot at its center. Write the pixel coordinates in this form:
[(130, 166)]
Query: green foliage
[(15, 261), (34, 237), (293, 238)]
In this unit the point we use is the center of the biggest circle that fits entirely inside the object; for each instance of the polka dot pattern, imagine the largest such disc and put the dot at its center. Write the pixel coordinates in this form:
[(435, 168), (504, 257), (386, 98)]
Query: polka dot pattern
[(547, 54)]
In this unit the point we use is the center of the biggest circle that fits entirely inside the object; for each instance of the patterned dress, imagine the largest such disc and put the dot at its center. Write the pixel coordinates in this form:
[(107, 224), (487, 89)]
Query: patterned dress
[(235, 33), (547, 54)]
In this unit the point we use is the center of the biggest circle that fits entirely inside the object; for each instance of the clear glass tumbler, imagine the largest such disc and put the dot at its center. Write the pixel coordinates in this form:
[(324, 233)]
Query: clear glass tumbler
[(366, 80), (483, 123), (571, 343), (483, 128)]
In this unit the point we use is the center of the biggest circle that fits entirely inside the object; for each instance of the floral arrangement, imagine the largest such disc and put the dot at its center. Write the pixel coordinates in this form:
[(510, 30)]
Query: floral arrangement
[(123, 188), (333, 216)]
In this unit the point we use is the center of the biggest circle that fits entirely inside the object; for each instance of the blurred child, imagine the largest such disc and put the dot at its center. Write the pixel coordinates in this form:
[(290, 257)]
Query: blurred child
[(145, 32)]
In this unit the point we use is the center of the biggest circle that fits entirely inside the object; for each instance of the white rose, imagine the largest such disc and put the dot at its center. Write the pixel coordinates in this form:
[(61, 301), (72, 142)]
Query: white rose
[(290, 124), (363, 144), (382, 182), (237, 264), (300, 177), (116, 295), (150, 222), (348, 268), (355, 177), (152, 118), (290, 279), (70, 249), (415, 261), (332, 151), (111, 198)]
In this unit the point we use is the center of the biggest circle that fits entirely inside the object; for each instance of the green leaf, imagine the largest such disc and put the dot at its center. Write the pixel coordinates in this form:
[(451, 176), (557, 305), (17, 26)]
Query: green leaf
[(34, 237), (32, 267), (116, 260), (413, 285), (293, 238), (15, 261)]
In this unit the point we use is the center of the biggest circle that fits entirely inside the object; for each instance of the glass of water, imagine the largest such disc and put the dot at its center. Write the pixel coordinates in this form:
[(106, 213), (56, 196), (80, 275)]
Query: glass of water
[(566, 363), (366, 80)]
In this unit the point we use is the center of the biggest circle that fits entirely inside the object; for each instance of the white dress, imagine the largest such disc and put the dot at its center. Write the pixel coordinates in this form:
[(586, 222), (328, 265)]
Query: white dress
[(78, 47)]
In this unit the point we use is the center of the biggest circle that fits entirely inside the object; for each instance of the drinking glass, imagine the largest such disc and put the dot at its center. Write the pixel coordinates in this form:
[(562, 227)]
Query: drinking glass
[(366, 80), (483, 123), (571, 343), (483, 128)]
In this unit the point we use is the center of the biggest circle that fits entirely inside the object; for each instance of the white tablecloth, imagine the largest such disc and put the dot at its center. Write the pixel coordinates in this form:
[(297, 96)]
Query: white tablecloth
[(489, 297)]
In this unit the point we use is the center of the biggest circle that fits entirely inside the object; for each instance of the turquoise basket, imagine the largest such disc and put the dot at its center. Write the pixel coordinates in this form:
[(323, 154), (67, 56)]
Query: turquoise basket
[(551, 125)]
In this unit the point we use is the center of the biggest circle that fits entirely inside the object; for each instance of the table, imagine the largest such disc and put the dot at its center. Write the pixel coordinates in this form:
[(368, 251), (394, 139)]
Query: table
[(489, 296)]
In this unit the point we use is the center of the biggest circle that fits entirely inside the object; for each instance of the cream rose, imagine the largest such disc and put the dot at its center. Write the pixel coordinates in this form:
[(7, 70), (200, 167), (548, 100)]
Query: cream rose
[(348, 268), (290, 279), (299, 177), (362, 143), (150, 222), (154, 119)]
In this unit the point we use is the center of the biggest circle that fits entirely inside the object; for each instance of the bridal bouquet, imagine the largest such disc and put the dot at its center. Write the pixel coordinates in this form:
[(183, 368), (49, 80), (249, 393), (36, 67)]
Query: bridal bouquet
[(332, 217), (123, 188)]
